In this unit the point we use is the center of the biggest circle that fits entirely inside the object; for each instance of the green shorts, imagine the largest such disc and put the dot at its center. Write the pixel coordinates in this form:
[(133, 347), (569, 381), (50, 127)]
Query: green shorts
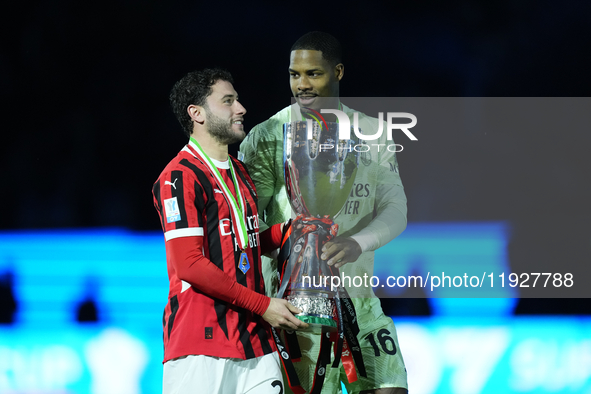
[(381, 355)]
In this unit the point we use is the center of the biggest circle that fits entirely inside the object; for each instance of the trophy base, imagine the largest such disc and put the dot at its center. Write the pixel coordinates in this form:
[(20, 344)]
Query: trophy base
[(317, 309), (315, 323)]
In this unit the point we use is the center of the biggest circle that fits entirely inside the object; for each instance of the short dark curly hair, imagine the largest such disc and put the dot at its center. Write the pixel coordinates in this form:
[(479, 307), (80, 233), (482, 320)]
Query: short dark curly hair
[(193, 89), (330, 47)]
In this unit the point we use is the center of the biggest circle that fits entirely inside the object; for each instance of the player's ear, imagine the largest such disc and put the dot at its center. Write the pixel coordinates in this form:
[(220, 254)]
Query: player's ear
[(339, 71), (197, 113)]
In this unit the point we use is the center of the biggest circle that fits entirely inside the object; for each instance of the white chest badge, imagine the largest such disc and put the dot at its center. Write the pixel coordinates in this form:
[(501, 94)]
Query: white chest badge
[(172, 210)]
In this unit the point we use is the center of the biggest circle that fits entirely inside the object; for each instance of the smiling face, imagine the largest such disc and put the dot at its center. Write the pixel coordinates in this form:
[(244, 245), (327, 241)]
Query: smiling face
[(311, 77), (224, 114)]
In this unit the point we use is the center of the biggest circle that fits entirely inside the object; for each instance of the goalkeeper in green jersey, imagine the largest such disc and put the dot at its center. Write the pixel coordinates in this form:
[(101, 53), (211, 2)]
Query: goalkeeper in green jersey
[(374, 214)]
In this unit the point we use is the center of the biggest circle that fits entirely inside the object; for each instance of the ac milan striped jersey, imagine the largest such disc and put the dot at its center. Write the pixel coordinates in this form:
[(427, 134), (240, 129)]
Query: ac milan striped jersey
[(194, 209)]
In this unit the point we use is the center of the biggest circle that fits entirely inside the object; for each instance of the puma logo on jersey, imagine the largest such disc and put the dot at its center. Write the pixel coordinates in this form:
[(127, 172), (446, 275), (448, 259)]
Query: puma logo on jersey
[(171, 184)]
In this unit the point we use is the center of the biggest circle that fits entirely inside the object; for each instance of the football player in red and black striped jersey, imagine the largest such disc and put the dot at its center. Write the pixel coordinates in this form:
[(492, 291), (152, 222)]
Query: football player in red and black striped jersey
[(217, 334)]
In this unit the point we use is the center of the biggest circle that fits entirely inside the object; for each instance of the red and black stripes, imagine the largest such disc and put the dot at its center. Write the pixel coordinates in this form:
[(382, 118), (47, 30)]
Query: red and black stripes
[(205, 212)]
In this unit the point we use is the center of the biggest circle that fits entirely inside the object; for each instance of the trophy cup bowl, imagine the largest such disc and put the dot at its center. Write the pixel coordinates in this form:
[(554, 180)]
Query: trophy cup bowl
[(320, 171)]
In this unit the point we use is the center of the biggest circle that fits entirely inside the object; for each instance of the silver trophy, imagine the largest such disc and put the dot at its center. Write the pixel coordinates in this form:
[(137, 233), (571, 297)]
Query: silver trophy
[(320, 171)]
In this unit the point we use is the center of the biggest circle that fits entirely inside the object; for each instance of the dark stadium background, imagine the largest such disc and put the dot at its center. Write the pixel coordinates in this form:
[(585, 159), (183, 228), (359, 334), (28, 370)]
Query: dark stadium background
[(87, 127)]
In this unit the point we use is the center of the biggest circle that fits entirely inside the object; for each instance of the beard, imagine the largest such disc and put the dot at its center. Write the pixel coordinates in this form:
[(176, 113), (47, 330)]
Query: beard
[(221, 130)]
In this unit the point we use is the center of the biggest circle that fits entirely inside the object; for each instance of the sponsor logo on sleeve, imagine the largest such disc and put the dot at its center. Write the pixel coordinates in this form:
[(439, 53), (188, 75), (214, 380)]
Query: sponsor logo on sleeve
[(171, 208)]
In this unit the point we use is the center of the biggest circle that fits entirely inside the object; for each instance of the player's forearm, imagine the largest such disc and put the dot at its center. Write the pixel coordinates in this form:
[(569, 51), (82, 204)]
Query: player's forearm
[(381, 230), (389, 222), (197, 270)]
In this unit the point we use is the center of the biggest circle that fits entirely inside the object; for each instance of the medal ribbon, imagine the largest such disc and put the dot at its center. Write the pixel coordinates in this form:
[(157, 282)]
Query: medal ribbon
[(238, 209), (302, 117)]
